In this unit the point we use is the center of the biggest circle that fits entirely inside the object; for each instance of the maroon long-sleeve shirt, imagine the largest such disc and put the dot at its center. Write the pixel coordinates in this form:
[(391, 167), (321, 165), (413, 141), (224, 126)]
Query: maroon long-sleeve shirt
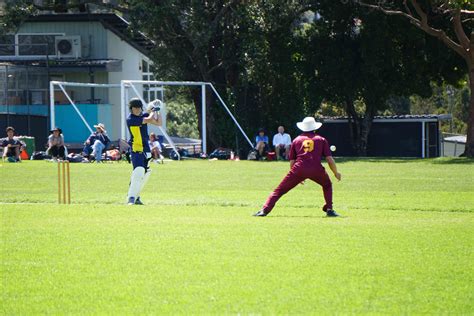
[(308, 149)]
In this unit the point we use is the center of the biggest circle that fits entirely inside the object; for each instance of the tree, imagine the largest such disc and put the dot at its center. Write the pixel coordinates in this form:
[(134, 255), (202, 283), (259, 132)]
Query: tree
[(270, 86), (277, 61), (181, 120), (244, 48), (355, 57), (448, 21), (189, 37), (445, 99)]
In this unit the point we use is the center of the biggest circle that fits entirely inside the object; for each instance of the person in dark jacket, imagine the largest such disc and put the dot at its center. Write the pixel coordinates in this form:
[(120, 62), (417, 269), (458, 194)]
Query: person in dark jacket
[(56, 145), (96, 143), (11, 146)]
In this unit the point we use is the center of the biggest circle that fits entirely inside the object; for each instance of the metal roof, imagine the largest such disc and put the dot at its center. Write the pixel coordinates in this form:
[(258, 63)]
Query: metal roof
[(102, 64), (113, 22), (396, 118), (440, 117), (456, 139)]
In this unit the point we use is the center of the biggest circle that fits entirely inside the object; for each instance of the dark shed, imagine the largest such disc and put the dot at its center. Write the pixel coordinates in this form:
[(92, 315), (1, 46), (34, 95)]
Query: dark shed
[(390, 136)]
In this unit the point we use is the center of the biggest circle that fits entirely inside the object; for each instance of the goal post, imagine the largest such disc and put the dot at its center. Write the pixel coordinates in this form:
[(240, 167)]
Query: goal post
[(134, 88), (131, 84), (124, 92), (61, 85)]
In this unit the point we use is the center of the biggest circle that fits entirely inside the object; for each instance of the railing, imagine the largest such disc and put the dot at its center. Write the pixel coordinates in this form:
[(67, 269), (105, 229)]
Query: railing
[(25, 109)]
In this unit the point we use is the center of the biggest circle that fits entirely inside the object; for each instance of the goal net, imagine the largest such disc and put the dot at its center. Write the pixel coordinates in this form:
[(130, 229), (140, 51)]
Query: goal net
[(133, 88), (108, 104)]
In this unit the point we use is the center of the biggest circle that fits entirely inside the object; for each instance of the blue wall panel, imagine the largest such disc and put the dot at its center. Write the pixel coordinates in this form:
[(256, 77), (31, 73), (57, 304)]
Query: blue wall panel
[(73, 127)]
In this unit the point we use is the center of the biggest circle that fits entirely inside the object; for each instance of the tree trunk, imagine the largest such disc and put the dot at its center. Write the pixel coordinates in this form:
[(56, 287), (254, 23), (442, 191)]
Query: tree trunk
[(469, 151), (359, 128), (364, 132)]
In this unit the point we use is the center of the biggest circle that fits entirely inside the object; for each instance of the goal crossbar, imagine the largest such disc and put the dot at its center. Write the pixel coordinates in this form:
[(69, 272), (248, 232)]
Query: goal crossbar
[(170, 141), (131, 83), (62, 84), (124, 96)]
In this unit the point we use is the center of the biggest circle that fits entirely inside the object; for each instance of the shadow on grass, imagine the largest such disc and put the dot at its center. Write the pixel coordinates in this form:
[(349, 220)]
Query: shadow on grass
[(440, 160), (296, 216), (453, 161), (341, 160), (307, 216)]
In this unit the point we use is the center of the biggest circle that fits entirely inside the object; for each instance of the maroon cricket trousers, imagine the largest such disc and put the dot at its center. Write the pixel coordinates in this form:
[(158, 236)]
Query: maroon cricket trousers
[(296, 175)]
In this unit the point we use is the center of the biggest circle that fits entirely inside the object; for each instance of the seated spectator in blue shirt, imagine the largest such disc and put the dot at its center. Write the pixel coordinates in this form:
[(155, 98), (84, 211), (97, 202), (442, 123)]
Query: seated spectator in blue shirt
[(261, 142), (56, 145), (11, 146), (96, 143)]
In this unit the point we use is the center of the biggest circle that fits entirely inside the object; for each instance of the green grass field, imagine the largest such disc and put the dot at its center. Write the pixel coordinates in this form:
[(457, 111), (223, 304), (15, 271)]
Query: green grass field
[(403, 246)]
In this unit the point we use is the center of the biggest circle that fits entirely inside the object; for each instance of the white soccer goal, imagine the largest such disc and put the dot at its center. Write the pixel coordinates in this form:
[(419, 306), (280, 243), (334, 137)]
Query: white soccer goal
[(127, 85), (70, 120), (129, 89), (61, 85)]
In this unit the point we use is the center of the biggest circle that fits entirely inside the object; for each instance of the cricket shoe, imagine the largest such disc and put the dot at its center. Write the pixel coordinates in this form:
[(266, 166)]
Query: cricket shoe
[(138, 201), (331, 213), (131, 200), (260, 213)]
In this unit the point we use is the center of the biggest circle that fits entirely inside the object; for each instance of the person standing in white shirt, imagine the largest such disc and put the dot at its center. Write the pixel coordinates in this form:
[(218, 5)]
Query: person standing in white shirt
[(282, 142)]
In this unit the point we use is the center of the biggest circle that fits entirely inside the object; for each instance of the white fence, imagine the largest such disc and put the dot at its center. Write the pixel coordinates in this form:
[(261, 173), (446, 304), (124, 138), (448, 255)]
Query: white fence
[(453, 145)]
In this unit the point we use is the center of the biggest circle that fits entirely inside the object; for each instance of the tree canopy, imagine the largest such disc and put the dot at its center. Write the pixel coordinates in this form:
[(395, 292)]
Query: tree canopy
[(451, 22), (278, 61)]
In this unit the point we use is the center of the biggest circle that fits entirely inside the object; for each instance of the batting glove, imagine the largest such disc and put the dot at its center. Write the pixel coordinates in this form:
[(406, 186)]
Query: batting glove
[(155, 105)]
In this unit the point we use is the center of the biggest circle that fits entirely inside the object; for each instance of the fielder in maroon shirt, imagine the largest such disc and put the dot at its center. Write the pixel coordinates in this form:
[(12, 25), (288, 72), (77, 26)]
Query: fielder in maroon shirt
[(305, 161)]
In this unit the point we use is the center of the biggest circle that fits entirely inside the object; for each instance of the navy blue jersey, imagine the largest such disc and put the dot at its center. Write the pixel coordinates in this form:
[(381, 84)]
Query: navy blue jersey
[(138, 133), (6, 141)]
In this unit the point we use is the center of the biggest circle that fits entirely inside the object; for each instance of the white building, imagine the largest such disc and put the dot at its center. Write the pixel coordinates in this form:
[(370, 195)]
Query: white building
[(75, 47)]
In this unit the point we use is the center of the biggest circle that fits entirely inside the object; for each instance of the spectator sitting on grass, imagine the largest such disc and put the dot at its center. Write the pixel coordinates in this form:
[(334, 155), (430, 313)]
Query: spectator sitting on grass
[(11, 146), (96, 143), (56, 147), (282, 142), (261, 142), (155, 148)]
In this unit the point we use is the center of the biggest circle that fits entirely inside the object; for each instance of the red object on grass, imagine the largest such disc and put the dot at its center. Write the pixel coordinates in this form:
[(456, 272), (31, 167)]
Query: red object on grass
[(24, 155)]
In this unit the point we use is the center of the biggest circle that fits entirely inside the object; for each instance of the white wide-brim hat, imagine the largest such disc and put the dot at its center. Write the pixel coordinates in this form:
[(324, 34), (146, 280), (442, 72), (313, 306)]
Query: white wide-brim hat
[(101, 126), (309, 124)]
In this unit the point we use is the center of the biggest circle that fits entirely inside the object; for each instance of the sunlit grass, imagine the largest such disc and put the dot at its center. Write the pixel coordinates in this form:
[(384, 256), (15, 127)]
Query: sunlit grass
[(403, 245)]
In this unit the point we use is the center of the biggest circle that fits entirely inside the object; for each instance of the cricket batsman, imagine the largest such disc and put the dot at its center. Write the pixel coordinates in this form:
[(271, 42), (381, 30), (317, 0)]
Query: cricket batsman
[(140, 153), (305, 156)]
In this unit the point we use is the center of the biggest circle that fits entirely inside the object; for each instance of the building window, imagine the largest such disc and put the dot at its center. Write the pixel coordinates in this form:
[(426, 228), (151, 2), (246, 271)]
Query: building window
[(145, 66), (150, 91), (36, 44), (7, 45), (22, 86), (28, 44)]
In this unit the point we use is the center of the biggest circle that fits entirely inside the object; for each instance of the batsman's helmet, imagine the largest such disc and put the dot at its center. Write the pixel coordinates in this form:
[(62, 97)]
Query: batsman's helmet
[(135, 103)]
